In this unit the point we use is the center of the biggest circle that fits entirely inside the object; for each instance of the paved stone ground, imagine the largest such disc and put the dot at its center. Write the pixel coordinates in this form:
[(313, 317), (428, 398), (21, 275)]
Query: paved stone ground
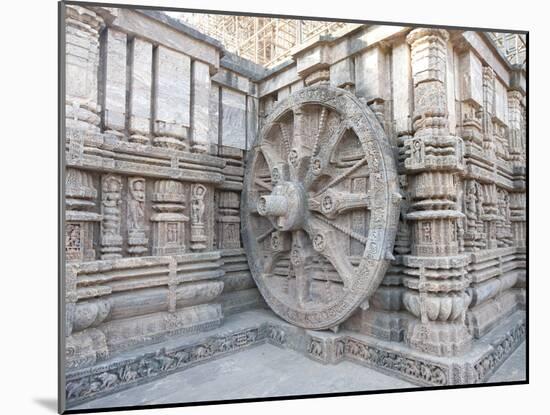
[(267, 370)]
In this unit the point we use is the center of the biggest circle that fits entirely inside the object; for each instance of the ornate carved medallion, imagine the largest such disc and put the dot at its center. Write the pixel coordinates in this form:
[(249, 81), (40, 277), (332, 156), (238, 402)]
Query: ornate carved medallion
[(320, 206)]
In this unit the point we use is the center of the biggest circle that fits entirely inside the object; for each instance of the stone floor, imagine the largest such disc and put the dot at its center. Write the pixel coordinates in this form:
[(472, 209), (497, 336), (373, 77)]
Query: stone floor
[(267, 370)]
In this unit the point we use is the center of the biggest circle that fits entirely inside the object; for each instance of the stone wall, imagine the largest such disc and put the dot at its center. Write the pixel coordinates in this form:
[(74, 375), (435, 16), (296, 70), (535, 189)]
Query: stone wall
[(155, 133), (454, 111), (158, 121)]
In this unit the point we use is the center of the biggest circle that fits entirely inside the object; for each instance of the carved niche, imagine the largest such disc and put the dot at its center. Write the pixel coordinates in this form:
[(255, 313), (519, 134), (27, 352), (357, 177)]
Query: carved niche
[(198, 234), (320, 206), (137, 239)]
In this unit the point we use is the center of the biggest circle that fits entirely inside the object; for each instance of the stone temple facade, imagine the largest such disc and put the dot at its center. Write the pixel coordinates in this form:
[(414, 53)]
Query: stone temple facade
[(365, 201)]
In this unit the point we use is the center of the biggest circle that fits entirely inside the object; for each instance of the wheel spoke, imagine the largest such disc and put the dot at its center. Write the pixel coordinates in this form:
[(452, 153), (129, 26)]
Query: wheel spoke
[(271, 157), (320, 162), (324, 241), (342, 176), (301, 256), (332, 203)]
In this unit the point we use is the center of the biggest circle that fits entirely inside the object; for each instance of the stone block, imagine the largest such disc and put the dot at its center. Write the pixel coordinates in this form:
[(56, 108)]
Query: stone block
[(213, 114), (115, 81), (201, 106), (311, 60), (471, 71), (141, 80), (501, 102), (234, 119), (402, 88), (342, 73), (371, 75), (172, 93)]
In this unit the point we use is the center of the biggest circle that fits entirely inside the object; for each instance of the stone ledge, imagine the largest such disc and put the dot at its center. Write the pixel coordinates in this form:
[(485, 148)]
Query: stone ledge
[(260, 326)]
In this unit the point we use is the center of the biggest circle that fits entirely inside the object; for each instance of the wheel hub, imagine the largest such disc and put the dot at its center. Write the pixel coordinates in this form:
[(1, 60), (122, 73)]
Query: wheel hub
[(285, 207)]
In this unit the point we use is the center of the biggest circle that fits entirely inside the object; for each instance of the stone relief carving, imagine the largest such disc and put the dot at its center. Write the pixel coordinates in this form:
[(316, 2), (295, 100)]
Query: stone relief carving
[(88, 383), (297, 184), (433, 164), (198, 235), (111, 239), (493, 359), (318, 215), (137, 239), (80, 202), (168, 220)]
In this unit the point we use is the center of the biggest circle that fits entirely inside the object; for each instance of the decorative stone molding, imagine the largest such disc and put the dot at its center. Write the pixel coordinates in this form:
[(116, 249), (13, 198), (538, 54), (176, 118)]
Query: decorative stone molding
[(80, 202), (169, 220), (436, 273), (82, 109), (228, 220), (90, 383)]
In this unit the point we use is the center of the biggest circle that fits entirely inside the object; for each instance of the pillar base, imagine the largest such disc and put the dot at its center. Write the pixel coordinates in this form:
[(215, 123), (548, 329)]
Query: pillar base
[(439, 338)]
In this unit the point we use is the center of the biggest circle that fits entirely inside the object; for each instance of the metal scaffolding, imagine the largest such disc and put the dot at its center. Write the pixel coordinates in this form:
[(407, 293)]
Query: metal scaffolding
[(266, 41), (269, 41), (513, 46)]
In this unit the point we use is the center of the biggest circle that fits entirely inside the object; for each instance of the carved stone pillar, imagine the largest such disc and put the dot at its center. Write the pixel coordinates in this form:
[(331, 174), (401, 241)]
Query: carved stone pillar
[(229, 220), (488, 110), (114, 93), (168, 220), (436, 272), (473, 230), (504, 227), (198, 234), (518, 218), (517, 152), (81, 65), (140, 80), (200, 108), (80, 215), (471, 96), (111, 239), (137, 238), (172, 99), (489, 214)]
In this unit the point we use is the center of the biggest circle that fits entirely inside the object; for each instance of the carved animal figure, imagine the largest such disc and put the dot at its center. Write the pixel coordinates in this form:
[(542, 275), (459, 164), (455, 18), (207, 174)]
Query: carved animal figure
[(225, 345), (340, 349), (129, 374), (182, 357), (202, 352), (165, 362), (251, 336), (107, 380), (76, 388), (315, 348)]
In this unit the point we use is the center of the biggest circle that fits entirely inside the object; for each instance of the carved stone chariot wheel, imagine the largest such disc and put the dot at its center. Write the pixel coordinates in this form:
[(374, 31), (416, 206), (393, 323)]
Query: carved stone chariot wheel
[(320, 207)]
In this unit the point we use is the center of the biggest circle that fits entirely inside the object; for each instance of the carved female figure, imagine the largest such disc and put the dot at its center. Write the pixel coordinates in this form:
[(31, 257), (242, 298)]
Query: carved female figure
[(197, 205), (136, 205), (111, 205)]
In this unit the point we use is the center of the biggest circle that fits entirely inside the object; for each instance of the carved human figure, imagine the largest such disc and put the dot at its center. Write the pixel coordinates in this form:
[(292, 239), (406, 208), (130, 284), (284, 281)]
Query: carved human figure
[(111, 240), (460, 234), (111, 206), (503, 204), (197, 205), (417, 151), (471, 200), (479, 198), (136, 205)]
